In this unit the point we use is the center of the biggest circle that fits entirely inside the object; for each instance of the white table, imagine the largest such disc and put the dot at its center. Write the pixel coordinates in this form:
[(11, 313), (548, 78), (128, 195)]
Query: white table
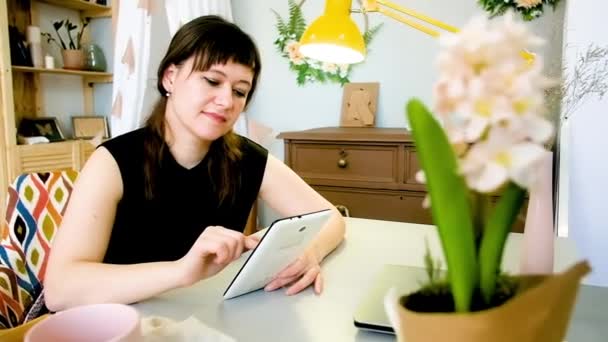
[(348, 272)]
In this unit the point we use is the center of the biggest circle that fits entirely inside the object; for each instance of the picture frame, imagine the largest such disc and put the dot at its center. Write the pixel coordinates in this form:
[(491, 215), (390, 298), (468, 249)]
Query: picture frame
[(87, 127), (359, 104), (47, 127)]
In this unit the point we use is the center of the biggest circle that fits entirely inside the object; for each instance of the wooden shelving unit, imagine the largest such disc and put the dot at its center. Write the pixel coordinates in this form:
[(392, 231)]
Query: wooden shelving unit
[(21, 95)]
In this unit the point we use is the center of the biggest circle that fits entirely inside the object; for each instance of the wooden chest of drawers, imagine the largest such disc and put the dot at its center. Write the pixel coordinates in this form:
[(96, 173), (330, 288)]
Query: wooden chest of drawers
[(370, 171)]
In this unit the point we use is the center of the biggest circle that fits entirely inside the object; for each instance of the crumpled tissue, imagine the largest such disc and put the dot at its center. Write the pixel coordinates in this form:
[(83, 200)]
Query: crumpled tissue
[(157, 329)]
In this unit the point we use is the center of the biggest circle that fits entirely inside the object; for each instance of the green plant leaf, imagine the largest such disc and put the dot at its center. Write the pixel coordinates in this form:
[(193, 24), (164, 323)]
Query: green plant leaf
[(301, 79), (281, 25), (57, 24), (495, 235), (499, 7), (449, 202), (318, 74), (369, 35), (297, 24)]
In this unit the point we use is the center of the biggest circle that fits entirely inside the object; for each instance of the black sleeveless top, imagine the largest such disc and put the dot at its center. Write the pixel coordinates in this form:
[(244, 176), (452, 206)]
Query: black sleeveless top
[(164, 229)]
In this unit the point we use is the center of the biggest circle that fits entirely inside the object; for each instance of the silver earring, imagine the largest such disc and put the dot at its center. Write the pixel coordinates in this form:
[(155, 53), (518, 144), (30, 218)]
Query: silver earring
[(167, 94)]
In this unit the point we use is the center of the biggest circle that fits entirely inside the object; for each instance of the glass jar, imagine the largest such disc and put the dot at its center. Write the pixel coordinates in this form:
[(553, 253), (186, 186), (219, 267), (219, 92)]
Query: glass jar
[(94, 58)]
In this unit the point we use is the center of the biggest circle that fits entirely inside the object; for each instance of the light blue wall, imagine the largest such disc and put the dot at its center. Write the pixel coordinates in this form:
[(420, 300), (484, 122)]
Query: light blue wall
[(62, 95), (101, 34), (401, 60)]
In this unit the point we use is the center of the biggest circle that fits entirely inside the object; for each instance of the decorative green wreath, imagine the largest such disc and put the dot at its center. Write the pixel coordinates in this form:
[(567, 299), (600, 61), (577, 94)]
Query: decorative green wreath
[(529, 9), (308, 69)]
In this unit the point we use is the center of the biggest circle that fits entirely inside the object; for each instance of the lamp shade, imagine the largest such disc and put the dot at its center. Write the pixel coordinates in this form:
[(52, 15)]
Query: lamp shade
[(334, 37)]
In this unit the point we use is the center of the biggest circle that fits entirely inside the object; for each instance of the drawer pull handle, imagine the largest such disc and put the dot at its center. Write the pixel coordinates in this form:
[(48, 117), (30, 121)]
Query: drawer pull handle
[(342, 162), (343, 210)]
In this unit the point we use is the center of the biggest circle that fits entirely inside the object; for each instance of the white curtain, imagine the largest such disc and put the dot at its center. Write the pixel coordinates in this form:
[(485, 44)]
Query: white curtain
[(131, 64), (142, 36)]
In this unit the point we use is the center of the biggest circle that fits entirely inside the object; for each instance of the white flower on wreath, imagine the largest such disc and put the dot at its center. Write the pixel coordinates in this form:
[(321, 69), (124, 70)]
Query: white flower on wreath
[(331, 68), (343, 70), (313, 63), (490, 101)]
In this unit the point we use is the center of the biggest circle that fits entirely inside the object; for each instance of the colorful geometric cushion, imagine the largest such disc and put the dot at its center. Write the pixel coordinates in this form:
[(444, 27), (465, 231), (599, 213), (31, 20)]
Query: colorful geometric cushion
[(35, 206)]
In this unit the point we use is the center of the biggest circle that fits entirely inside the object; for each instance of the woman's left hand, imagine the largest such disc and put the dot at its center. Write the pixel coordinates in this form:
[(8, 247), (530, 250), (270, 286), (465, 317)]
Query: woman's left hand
[(299, 275)]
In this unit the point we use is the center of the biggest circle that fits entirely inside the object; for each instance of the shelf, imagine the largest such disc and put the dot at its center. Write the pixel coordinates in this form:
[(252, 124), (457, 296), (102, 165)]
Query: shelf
[(82, 5), (91, 76)]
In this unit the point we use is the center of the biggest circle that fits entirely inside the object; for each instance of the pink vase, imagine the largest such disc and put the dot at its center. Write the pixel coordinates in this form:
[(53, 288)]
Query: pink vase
[(537, 245)]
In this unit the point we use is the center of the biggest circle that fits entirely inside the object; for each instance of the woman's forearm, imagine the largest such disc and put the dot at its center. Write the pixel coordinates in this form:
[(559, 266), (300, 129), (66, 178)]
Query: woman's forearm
[(82, 283), (330, 236)]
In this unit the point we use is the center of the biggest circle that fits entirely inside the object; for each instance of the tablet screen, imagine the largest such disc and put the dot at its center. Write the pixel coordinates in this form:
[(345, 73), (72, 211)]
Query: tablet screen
[(283, 243)]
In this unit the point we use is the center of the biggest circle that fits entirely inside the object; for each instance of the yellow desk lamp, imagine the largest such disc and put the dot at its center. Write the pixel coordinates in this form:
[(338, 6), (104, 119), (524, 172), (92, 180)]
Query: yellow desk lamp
[(334, 37)]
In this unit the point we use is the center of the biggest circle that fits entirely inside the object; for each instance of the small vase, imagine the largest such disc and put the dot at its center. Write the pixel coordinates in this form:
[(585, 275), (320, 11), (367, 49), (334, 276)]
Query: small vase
[(537, 245), (73, 59), (94, 58), (539, 312)]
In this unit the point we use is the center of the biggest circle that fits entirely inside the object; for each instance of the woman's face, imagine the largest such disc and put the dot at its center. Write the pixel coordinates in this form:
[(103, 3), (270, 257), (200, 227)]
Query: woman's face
[(206, 103)]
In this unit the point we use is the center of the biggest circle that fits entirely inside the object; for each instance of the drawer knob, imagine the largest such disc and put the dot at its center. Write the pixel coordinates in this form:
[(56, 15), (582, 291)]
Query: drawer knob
[(342, 162), (343, 210)]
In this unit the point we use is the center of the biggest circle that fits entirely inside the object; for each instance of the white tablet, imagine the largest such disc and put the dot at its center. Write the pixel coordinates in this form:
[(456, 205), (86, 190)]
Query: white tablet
[(282, 243)]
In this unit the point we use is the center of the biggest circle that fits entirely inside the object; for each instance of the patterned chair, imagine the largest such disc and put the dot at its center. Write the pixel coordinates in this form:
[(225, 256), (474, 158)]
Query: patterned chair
[(35, 206)]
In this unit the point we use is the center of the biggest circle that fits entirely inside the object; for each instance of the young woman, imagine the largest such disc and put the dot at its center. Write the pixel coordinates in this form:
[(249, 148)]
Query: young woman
[(164, 206)]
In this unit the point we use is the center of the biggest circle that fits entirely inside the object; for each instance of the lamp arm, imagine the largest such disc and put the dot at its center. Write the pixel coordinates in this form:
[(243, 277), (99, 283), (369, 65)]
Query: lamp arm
[(373, 6)]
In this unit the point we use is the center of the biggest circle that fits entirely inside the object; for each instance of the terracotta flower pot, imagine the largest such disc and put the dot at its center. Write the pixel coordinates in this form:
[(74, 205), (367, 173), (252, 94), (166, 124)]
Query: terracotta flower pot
[(539, 313), (73, 59)]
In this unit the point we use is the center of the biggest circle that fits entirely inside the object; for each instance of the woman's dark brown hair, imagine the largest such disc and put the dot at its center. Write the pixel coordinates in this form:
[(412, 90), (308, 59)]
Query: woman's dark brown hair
[(211, 40)]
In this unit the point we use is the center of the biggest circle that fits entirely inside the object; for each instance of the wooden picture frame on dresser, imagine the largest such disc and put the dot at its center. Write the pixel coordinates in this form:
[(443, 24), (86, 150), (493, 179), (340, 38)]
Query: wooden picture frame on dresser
[(370, 171)]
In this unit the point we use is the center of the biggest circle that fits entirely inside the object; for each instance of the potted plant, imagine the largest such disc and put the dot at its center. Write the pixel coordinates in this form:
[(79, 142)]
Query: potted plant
[(72, 53), (486, 138)]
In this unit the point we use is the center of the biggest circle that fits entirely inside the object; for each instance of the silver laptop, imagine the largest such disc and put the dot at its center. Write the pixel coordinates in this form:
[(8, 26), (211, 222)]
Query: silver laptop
[(370, 313)]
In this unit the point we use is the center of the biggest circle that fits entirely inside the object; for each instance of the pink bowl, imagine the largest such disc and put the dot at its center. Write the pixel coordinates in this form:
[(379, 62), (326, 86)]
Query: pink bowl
[(90, 323)]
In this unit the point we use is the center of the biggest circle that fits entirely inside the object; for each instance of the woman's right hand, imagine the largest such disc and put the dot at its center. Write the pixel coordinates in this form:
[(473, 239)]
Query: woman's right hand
[(215, 248)]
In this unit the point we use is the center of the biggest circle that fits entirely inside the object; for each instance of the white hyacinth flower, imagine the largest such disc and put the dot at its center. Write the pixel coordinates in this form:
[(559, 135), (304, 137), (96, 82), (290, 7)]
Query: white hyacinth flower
[(489, 164), (421, 178), (482, 66), (490, 102)]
